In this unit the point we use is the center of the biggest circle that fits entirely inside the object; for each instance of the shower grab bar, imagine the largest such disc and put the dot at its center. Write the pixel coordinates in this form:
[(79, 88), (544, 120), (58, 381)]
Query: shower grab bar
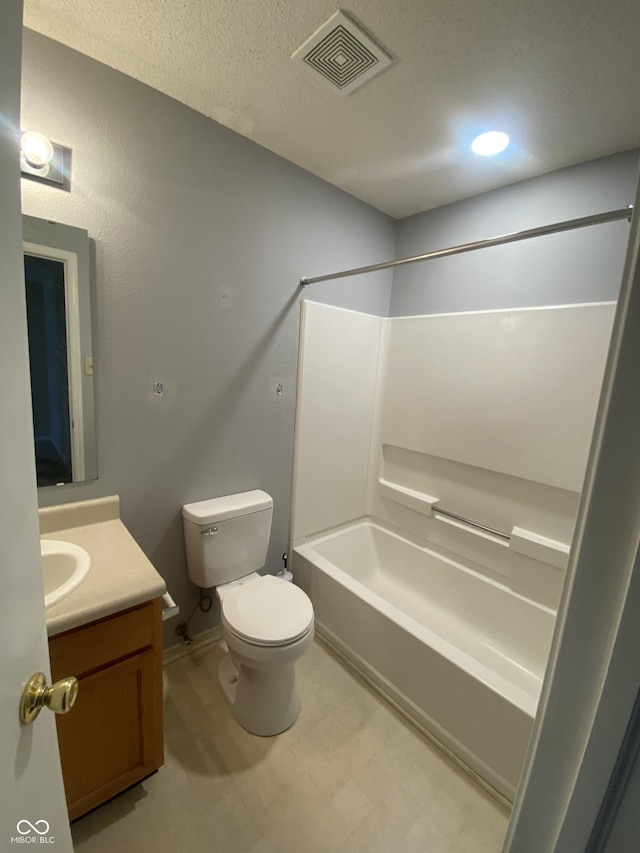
[(521, 541), (436, 510)]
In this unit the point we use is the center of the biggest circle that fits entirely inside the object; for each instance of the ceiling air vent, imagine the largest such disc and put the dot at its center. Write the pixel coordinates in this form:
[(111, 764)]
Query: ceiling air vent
[(342, 54)]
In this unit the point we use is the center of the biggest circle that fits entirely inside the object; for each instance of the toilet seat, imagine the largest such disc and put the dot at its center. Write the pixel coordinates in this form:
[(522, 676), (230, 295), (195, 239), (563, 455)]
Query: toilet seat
[(267, 612)]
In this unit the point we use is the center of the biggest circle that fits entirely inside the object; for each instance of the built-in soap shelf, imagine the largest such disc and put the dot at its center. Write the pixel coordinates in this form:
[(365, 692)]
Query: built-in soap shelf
[(522, 541), (412, 499), (540, 548)]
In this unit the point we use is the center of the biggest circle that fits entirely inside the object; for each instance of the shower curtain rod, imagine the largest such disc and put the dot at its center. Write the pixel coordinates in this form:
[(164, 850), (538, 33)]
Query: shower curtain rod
[(568, 225)]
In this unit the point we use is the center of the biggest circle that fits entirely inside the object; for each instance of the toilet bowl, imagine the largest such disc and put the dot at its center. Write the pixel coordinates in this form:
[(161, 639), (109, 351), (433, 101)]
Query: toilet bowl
[(267, 625)]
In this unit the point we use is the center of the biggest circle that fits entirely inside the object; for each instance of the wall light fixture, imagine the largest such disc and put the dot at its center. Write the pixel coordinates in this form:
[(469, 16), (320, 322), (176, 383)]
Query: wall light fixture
[(45, 161)]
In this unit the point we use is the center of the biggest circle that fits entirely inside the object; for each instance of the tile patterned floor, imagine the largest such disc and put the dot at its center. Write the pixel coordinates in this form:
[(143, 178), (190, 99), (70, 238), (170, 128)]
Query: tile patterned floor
[(351, 775)]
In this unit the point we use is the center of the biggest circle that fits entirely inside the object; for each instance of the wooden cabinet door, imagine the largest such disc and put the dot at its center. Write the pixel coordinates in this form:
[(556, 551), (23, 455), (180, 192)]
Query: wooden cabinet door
[(108, 742), (112, 738)]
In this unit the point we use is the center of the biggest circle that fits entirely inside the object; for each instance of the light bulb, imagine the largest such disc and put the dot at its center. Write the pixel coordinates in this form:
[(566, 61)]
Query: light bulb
[(36, 149), (490, 143)]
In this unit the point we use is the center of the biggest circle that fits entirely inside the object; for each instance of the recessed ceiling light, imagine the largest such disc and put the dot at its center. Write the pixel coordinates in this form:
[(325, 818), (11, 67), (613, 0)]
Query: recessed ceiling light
[(490, 143)]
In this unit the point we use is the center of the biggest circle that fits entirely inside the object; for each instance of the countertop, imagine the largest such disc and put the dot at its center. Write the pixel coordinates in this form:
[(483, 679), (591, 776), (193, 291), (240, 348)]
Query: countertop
[(120, 576)]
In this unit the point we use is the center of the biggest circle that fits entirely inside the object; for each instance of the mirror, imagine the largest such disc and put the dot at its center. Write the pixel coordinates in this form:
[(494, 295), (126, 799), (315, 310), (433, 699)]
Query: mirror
[(57, 281)]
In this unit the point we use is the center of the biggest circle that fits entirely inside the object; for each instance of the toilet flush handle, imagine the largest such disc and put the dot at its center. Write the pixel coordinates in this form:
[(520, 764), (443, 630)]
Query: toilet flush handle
[(210, 531)]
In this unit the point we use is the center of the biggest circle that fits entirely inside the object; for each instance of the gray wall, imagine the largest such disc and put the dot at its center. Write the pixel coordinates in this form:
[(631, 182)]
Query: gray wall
[(201, 237), (578, 266)]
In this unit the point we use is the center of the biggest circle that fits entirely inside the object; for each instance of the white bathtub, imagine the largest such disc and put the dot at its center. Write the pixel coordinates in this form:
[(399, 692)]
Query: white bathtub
[(462, 655)]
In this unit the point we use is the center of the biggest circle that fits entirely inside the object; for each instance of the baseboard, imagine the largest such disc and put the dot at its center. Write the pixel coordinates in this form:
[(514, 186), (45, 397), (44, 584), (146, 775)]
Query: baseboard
[(199, 642)]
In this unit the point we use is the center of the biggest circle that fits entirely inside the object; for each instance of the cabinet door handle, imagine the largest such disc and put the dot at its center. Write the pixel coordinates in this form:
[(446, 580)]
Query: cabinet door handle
[(59, 698)]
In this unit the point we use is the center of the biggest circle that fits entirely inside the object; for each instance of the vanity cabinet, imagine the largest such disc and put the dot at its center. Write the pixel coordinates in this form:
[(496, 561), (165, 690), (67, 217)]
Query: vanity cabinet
[(112, 737)]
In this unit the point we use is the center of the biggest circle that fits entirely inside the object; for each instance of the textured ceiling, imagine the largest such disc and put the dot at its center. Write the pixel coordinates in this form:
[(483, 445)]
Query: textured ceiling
[(561, 76)]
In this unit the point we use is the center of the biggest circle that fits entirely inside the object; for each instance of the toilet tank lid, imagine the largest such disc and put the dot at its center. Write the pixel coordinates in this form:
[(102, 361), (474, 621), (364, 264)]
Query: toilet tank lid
[(228, 506)]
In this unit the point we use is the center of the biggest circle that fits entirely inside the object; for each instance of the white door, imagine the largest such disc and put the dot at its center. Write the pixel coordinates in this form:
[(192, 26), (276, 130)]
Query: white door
[(32, 806), (581, 748)]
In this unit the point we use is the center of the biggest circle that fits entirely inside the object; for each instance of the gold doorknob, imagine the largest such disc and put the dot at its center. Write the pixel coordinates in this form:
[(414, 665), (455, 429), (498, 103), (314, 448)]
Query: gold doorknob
[(59, 698)]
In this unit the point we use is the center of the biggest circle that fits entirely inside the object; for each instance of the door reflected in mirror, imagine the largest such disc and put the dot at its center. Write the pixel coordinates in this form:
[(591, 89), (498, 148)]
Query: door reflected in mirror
[(56, 266)]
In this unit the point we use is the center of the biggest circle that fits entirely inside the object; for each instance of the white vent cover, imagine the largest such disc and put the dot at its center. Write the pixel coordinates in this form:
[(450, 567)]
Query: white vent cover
[(342, 55)]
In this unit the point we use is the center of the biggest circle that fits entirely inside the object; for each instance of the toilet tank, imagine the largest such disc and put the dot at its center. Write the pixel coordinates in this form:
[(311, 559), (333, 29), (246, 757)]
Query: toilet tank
[(227, 538)]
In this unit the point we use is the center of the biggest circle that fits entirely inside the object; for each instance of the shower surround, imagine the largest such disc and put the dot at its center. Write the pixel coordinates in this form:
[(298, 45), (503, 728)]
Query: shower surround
[(483, 415)]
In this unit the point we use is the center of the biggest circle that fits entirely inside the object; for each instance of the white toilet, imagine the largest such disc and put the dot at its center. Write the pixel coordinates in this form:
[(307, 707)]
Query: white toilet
[(267, 623)]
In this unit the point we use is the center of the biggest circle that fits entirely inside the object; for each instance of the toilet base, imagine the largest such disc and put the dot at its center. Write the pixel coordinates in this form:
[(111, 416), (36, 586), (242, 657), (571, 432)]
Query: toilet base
[(264, 701)]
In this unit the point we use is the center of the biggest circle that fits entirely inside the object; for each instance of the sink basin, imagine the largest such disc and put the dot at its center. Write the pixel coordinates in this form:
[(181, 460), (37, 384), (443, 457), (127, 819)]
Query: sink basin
[(64, 567)]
